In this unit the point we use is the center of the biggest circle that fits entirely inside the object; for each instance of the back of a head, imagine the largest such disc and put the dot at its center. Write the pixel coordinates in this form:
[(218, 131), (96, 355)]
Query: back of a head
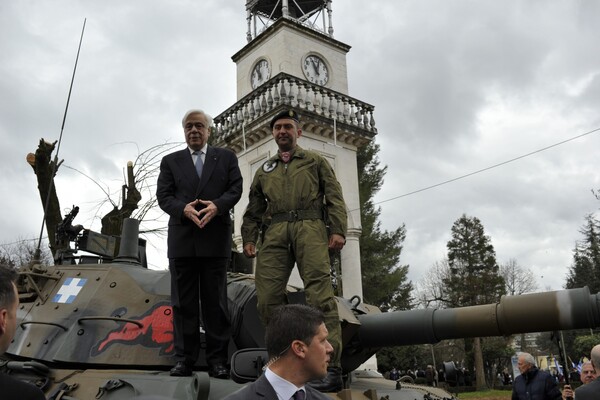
[(595, 356), (288, 323), (8, 276)]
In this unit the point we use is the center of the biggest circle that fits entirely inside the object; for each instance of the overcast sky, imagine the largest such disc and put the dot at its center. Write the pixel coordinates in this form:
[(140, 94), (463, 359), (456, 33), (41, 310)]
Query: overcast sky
[(458, 86)]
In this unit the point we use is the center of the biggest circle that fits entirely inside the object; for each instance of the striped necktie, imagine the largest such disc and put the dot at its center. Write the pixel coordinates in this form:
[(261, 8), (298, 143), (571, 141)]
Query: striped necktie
[(199, 164)]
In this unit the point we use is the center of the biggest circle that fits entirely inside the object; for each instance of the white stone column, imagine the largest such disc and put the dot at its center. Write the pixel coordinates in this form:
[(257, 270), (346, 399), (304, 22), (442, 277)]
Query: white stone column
[(351, 275)]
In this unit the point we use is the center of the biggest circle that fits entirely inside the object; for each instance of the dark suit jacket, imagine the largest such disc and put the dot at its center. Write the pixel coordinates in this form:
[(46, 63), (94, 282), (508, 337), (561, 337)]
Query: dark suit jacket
[(178, 184), (261, 389), (591, 391), (12, 389), (535, 384)]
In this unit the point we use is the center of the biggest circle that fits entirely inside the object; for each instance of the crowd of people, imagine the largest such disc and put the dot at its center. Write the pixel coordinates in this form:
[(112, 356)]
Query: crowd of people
[(530, 383), (429, 374), (535, 383)]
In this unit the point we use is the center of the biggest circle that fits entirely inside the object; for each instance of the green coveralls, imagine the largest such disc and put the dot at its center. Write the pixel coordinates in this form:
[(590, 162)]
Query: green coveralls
[(304, 186)]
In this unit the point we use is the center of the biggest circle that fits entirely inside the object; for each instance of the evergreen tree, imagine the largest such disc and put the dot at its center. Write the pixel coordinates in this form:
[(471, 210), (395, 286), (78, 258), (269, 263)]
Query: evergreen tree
[(474, 274), (474, 277), (585, 270), (384, 281), (403, 357)]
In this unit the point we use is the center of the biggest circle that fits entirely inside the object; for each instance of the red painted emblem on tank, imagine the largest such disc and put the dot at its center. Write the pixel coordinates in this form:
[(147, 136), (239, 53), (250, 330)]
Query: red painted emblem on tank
[(156, 331)]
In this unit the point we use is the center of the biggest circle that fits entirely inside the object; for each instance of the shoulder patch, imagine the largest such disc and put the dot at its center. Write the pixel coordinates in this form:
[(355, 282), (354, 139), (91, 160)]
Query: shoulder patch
[(269, 165)]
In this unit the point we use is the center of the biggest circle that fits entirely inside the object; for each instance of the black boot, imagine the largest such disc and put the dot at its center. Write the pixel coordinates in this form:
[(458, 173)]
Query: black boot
[(331, 383)]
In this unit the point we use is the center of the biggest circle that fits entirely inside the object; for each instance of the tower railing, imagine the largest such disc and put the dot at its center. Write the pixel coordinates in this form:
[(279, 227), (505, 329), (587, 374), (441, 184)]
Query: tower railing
[(286, 90)]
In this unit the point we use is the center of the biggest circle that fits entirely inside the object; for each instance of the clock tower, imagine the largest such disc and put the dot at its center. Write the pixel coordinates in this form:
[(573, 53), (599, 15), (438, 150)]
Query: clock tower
[(291, 60)]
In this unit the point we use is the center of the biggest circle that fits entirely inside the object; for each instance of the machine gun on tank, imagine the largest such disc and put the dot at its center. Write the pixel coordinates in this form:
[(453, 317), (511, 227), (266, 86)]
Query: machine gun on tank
[(105, 248)]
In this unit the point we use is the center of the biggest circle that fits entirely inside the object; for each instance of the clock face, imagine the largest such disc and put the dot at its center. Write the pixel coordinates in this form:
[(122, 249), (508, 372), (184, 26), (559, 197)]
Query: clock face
[(315, 70), (260, 73)]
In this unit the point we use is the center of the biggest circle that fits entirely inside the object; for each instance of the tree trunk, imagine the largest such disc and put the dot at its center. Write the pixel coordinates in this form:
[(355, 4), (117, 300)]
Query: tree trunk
[(112, 222), (479, 370), (45, 170)]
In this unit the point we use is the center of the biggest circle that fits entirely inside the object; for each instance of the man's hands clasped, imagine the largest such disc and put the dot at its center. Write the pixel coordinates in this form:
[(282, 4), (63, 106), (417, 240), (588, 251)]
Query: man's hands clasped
[(202, 217)]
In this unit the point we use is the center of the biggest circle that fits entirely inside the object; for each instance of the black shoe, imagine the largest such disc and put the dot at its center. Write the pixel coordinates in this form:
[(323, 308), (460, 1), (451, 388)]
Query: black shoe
[(181, 369), (218, 371), (331, 383)]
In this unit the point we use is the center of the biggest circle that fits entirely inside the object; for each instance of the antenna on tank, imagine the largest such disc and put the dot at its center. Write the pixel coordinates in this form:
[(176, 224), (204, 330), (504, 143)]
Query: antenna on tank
[(54, 166)]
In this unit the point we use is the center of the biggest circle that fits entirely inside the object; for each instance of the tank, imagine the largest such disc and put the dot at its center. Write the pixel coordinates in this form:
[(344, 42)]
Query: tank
[(98, 324)]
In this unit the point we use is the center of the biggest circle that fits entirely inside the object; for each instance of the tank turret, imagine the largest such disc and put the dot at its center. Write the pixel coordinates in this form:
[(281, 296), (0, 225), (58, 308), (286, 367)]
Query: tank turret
[(100, 325)]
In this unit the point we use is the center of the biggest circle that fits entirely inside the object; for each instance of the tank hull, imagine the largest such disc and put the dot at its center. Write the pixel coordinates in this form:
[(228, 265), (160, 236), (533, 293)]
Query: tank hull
[(92, 328)]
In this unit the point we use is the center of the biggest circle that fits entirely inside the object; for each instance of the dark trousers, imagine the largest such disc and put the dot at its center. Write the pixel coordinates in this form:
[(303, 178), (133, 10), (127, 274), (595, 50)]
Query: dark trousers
[(200, 281)]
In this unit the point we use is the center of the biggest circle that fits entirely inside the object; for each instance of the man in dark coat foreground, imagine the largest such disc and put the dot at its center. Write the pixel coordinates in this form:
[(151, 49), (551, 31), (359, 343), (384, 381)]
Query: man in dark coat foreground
[(10, 388)]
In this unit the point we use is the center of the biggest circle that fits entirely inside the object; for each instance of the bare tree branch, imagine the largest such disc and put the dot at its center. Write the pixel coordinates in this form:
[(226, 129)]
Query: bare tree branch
[(431, 290), (518, 279)]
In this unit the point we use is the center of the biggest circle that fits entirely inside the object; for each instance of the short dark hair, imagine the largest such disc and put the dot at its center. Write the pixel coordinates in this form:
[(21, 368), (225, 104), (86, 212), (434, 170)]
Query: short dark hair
[(8, 277), (291, 322)]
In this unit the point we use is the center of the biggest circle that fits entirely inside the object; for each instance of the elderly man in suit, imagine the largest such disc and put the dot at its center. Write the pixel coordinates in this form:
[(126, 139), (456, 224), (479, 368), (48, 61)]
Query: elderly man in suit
[(591, 391), (296, 340), (197, 187)]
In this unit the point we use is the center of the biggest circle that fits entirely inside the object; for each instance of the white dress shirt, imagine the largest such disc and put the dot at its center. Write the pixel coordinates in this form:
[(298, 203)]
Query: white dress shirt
[(284, 389)]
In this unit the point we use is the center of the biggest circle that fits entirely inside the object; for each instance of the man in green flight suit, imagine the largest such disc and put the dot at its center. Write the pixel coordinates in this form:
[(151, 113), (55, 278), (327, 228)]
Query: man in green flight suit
[(296, 190)]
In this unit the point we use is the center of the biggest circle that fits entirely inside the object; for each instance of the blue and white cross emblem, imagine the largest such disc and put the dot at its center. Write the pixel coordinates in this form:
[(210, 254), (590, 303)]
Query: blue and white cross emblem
[(69, 290)]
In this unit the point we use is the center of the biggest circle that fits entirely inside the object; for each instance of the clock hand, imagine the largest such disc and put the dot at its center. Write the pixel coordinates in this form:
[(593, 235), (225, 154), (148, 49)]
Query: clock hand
[(315, 64)]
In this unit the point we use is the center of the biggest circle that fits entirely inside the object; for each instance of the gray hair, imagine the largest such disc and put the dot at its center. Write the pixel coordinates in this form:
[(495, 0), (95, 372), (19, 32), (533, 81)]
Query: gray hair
[(528, 358), (209, 119), (587, 363)]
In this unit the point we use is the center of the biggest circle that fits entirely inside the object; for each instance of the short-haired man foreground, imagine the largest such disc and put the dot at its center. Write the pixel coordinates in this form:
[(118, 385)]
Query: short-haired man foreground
[(11, 389), (592, 389), (296, 340), (533, 383)]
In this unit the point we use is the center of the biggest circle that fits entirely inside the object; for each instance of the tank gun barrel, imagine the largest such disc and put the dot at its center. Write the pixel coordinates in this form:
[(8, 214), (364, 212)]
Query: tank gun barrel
[(535, 312)]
